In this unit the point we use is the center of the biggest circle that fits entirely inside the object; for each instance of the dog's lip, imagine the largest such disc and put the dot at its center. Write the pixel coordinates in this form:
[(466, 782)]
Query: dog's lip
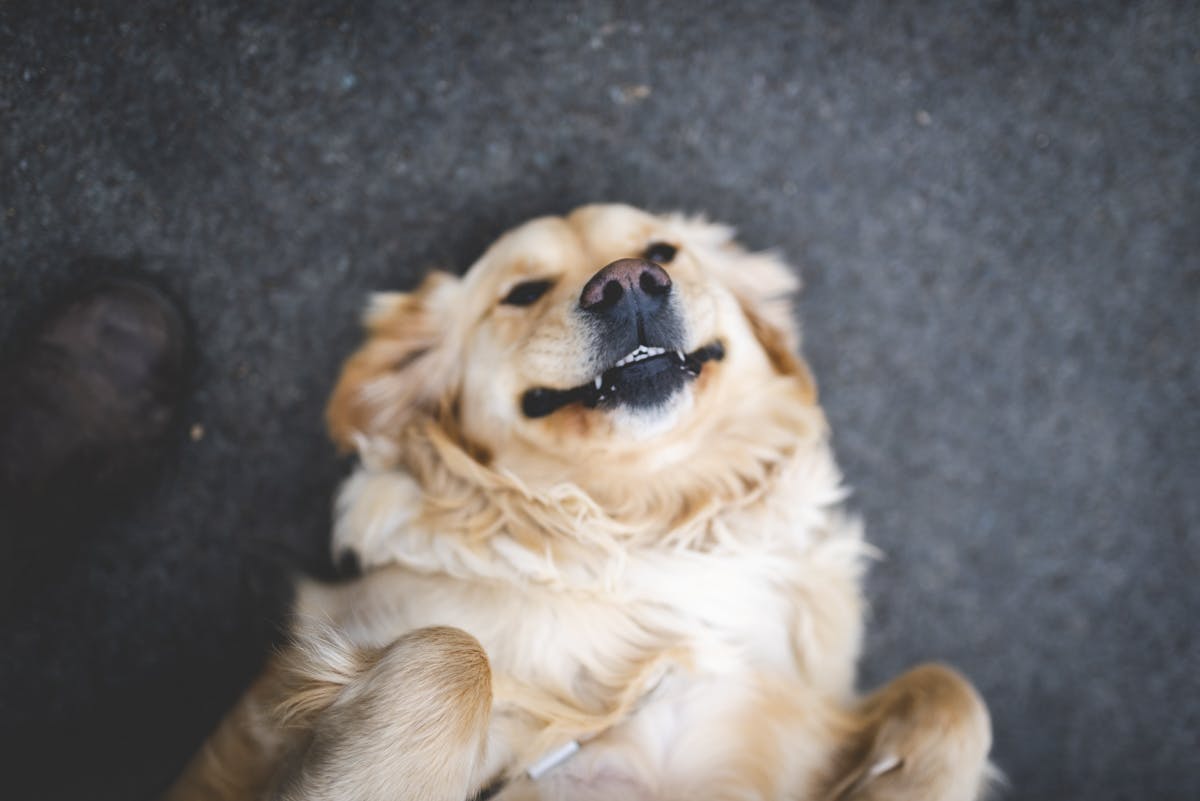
[(541, 401)]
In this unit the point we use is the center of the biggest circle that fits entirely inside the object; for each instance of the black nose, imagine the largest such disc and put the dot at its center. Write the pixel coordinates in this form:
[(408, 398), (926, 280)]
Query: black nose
[(636, 282)]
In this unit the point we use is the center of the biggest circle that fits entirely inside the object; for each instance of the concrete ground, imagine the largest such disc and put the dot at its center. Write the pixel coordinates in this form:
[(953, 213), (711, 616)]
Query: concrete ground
[(995, 208)]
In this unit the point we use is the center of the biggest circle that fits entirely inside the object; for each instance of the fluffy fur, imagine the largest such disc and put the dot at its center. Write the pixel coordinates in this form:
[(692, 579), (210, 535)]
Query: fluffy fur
[(677, 588)]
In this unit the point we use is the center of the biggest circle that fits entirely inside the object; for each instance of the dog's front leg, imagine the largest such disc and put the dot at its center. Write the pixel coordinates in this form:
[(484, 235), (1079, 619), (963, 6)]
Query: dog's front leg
[(924, 736), (409, 721)]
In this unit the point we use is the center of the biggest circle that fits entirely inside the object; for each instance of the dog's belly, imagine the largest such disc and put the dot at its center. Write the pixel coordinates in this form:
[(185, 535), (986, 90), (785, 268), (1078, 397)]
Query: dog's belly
[(628, 762), (729, 737), (640, 758)]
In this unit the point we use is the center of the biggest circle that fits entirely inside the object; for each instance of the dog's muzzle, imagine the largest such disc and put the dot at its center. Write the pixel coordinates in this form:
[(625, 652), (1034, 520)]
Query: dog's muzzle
[(637, 342)]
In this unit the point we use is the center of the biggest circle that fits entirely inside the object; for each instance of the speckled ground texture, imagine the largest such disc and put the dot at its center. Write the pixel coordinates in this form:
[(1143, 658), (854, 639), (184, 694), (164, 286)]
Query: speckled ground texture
[(995, 209)]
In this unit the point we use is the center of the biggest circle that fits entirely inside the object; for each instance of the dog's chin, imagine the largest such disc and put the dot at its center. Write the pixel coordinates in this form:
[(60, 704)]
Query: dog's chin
[(639, 423)]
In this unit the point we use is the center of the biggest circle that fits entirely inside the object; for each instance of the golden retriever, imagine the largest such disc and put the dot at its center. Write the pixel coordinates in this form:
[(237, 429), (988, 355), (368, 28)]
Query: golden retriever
[(604, 552)]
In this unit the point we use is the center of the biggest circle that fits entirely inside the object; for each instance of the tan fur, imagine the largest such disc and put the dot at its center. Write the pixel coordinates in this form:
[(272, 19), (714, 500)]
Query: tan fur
[(914, 738), (409, 723), (240, 759), (395, 373), (677, 590)]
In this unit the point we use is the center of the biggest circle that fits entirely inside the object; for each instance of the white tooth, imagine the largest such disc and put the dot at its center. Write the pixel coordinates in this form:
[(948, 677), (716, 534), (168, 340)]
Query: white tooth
[(679, 353), (598, 382), (641, 353)]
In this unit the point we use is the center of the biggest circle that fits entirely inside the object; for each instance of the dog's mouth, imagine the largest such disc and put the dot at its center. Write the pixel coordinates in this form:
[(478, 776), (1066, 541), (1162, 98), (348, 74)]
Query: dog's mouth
[(646, 377)]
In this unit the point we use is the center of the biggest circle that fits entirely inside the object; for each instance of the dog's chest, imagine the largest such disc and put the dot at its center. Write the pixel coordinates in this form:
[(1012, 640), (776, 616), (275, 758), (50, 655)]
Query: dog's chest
[(720, 611), (657, 669)]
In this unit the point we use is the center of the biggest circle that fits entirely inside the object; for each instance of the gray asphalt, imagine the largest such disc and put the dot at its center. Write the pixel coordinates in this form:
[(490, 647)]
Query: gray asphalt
[(994, 207)]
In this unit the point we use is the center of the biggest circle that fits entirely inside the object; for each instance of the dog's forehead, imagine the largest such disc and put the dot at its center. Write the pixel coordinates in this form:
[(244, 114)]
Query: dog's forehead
[(613, 231), (542, 247), (585, 240)]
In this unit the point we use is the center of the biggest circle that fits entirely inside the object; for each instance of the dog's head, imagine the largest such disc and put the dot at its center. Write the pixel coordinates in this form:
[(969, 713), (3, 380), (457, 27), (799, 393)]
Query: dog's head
[(606, 342)]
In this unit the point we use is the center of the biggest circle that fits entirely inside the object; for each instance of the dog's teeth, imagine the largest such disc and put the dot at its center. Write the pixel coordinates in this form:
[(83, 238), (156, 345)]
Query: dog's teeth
[(599, 381), (640, 353), (679, 353)]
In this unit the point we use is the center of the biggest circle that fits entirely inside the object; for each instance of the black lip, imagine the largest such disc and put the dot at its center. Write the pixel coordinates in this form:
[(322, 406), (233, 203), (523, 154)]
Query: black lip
[(642, 384)]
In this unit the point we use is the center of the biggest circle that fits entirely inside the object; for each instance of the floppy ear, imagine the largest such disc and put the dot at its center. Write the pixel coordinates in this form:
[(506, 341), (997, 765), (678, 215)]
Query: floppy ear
[(765, 287), (405, 367), (761, 281)]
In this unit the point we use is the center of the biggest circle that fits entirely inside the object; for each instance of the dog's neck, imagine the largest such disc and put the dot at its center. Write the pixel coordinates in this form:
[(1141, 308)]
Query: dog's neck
[(770, 459)]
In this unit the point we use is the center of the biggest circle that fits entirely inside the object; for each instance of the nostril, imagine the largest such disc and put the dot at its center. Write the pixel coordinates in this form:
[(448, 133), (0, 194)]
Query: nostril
[(612, 293), (655, 282)]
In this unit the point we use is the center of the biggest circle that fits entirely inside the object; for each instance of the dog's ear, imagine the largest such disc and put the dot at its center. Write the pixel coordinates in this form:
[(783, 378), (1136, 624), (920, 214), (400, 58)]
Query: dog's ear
[(781, 344), (405, 367), (761, 281), (765, 287)]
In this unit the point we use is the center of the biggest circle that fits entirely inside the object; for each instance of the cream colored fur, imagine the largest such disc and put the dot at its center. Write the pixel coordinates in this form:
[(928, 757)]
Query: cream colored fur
[(680, 591)]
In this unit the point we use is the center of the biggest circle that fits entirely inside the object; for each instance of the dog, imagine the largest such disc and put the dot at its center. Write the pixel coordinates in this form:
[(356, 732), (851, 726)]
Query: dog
[(603, 551)]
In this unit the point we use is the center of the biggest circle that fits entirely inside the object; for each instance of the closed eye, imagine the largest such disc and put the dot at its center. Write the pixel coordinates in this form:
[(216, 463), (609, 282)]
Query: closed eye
[(526, 293), (660, 252)]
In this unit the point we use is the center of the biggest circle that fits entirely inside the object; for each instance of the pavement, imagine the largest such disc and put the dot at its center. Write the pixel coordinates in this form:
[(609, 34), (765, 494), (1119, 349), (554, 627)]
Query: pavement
[(994, 207)]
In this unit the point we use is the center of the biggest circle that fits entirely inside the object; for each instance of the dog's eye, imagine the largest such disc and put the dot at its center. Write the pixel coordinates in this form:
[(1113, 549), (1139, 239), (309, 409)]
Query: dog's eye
[(526, 293), (660, 252)]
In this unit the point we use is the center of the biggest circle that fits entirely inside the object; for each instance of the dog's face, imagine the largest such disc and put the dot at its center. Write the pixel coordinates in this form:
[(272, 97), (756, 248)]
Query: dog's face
[(592, 339)]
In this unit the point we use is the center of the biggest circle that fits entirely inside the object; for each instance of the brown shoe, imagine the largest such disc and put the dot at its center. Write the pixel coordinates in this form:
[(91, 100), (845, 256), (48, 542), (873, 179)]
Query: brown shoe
[(86, 404)]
